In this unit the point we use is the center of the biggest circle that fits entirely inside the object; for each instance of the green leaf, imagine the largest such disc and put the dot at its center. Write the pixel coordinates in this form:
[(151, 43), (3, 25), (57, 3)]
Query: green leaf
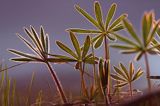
[(98, 42), (131, 71), (130, 51), (21, 59), (145, 30), (86, 46), (124, 70), (111, 37), (138, 56), (98, 13), (120, 72), (138, 74), (110, 14), (117, 28), (96, 38), (125, 40), (121, 46), (66, 49), (117, 21), (42, 38), (150, 38), (28, 44), (75, 44), (47, 42), (84, 31), (116, 77), (18, 53), (131, 30), (60, 60), (36, 37), (87, 16), (30, 35)]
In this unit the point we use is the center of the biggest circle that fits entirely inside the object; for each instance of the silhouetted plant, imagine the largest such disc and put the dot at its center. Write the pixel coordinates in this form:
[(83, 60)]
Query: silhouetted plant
[(137, 46), (40, 47), (126, 77), (81, 57)]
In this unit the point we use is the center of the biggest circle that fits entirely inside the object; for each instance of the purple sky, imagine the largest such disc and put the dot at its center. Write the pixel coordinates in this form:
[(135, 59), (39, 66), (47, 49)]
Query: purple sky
[(58, 15)]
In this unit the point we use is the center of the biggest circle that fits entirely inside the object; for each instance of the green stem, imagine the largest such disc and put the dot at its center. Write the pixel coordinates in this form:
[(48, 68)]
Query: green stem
[(57, 82), (147, 72)]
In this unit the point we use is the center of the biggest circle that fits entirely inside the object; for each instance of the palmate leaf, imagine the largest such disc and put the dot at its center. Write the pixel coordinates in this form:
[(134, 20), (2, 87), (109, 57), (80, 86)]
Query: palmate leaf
[(28, 44), (87, 16), (66, 49), (98, 13), (84, 31), (117, 21), (120, 72), (30, 35), (110, 14), (124, 69), (131, 30), (75, 43)]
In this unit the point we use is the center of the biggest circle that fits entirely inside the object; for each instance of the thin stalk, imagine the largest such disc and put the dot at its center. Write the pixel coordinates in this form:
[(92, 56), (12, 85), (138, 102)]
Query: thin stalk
[(94, 67), (106, 48), (83, 84), (57, 82), (147, 72), (130, 89)]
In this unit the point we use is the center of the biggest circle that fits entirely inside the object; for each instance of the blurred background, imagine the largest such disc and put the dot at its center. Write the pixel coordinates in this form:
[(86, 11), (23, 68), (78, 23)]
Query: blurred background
[(56, 16)]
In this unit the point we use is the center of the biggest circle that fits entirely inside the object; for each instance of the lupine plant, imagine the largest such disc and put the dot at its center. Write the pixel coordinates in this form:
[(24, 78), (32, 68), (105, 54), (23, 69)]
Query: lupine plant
[(40, 46), (103, 28), (106, 29), (126, 77), (141, 47), (81, 57)]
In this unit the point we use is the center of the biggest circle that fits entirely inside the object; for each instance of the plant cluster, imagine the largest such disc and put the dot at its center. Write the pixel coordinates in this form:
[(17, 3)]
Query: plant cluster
[(106, 31)]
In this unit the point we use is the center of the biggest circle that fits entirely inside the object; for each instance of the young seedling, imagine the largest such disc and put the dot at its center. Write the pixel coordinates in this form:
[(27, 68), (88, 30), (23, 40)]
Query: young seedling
[(104, 67), (126, 77), (81, 57), (104, 28), (141, 47), (40, 47)]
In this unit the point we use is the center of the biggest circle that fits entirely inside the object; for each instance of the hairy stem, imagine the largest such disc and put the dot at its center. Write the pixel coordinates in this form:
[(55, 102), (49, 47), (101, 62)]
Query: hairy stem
[(147, 72), (57, 82)]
